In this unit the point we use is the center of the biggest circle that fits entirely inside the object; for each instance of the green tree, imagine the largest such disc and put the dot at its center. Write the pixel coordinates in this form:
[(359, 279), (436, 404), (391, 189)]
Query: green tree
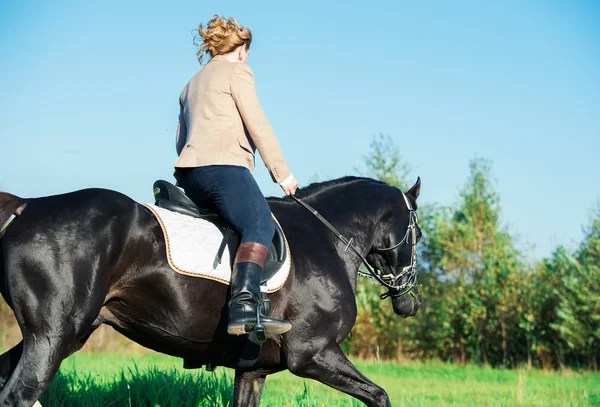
[(476, 257), (587, 288), (578, 293)]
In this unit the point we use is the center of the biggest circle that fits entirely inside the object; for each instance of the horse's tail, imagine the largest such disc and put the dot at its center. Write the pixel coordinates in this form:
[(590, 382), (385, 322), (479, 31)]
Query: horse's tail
[(9, 205)]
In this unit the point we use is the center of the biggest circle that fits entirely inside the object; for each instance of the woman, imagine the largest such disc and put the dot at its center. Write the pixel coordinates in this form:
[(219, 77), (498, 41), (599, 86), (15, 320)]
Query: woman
[(221, 124)]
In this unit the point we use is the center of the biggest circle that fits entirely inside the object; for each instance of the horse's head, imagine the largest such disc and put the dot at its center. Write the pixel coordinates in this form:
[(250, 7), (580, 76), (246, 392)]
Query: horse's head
[(394, 253)]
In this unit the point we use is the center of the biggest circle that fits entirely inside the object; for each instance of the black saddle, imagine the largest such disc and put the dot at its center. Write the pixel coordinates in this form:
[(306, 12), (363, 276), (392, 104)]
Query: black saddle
[(168, 196)]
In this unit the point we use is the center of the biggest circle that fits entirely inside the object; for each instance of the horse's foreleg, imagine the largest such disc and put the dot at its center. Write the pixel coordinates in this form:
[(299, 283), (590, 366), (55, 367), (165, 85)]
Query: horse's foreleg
[(248, 388), (331, 367), (8, 362)]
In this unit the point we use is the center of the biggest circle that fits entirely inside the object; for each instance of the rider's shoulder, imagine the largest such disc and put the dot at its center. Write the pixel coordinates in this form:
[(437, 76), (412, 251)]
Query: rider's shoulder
[(242, 68)]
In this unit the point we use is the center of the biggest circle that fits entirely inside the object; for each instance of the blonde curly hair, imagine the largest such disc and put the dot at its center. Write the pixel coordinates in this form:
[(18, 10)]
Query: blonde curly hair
[(221, 36)]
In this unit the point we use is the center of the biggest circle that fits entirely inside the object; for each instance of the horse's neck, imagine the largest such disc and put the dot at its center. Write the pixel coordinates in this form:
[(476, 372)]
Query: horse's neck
[(352, 213), (357, 222)]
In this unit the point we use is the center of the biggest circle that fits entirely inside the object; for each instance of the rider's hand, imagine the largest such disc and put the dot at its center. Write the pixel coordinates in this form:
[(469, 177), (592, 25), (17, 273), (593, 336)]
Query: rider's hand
[(290, 185)]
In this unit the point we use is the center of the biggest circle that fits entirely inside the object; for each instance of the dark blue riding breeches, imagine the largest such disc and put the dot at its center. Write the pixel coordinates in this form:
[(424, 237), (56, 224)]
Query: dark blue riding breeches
[(232, 192)]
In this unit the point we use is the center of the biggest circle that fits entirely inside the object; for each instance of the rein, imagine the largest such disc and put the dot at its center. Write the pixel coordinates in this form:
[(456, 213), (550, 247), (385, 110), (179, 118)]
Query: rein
[(389, 281), (4, 227)]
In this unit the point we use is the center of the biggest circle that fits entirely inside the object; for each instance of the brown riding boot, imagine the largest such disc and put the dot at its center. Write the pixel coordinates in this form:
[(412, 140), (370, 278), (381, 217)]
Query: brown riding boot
[(245, 293)]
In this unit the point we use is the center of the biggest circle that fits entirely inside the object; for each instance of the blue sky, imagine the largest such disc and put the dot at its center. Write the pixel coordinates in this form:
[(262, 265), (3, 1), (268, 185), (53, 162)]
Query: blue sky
[(88, 96)]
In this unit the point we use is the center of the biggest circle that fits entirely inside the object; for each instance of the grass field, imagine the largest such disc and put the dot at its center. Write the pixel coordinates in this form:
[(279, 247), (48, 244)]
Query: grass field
[(156, 380)]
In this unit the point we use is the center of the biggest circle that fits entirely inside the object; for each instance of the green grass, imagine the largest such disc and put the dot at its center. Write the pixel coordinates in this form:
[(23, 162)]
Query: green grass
[(154, 380)]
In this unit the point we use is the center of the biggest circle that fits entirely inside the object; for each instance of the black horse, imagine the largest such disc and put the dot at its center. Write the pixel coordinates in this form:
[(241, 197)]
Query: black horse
[(71, 262)]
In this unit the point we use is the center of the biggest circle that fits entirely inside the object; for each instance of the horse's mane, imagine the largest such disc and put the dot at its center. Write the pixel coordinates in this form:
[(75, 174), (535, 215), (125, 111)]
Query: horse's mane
[(317, 188)]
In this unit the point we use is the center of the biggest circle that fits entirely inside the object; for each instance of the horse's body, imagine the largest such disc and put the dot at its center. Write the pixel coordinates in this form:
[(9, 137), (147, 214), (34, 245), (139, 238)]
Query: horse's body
[(71, 262)]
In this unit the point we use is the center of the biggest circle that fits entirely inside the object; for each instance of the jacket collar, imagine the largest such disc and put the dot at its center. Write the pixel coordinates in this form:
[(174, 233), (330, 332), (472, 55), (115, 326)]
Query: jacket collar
[(219, 58)]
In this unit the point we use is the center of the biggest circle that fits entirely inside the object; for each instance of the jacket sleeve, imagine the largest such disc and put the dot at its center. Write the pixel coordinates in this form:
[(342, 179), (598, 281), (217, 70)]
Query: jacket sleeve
[(181, 137), (243, 91)]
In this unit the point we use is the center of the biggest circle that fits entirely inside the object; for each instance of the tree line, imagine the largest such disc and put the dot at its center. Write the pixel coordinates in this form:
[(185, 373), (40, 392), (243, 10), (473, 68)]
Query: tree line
[(482, 302)]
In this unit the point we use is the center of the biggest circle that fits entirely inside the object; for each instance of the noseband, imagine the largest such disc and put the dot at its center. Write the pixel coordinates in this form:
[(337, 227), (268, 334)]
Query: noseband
[(392, 282)]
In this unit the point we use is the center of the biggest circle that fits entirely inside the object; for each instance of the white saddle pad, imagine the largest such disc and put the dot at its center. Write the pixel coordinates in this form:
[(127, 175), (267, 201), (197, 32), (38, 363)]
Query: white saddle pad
[(192, 245)]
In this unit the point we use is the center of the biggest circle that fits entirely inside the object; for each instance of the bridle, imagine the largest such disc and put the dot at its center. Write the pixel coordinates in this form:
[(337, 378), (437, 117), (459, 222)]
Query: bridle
[(392, 282)]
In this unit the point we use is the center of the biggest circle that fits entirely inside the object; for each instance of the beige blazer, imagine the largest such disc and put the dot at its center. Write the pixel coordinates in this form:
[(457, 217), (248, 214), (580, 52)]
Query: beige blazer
[(221, 121)]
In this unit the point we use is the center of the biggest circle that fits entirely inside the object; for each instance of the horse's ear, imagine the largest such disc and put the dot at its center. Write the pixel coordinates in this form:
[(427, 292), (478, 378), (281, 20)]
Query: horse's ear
[(415, 190)]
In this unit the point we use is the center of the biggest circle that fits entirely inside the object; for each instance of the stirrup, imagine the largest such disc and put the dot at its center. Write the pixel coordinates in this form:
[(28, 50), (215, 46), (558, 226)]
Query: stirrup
[(259, 329)]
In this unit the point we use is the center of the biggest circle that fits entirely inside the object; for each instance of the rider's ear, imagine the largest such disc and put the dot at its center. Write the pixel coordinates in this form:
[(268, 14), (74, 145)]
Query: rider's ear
[(415, 190)]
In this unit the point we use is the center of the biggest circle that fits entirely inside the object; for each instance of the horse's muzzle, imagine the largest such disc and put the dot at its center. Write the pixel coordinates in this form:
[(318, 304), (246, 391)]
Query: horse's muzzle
[(407, 304)]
